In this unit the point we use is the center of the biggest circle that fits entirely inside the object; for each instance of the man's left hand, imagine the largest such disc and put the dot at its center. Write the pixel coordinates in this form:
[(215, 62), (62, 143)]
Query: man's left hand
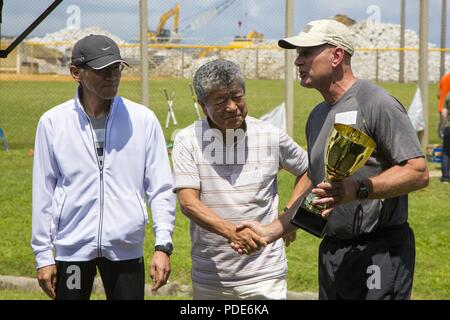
[(159, 269), (334, 193)]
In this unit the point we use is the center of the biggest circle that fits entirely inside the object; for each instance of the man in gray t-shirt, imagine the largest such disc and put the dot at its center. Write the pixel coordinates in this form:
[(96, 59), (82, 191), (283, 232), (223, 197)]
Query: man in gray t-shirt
[(368, 251), (370, 109)]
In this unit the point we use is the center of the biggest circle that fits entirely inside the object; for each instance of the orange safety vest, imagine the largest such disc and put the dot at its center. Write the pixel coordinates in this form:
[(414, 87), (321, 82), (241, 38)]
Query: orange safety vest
[(444, 89)]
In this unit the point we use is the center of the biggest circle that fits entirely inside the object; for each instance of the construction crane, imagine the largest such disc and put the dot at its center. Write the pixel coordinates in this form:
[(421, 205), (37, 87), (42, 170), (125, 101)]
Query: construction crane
[(206, 16), (165, 35), (162, 34)]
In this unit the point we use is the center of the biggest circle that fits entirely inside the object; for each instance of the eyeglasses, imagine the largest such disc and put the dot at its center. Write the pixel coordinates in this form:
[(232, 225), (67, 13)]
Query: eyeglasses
[(114, 69)]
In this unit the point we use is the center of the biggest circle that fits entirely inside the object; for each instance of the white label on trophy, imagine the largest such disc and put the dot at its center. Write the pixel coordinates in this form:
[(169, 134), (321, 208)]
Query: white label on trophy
[(347, 118)]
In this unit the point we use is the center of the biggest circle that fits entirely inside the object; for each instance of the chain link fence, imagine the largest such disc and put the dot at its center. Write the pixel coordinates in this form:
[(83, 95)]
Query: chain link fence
[(182, 35)]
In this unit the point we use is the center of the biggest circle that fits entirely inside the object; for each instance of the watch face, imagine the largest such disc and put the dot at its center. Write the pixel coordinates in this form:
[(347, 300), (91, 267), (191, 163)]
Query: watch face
[(363, 192), (167, 248)]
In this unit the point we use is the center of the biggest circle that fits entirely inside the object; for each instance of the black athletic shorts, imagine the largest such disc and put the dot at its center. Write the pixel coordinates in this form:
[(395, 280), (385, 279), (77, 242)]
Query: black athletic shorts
[(122, 280), (379, 266)]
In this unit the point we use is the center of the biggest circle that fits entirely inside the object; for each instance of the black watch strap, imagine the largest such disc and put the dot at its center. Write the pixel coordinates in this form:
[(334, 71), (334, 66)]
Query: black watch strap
[(167, 248), (362, 192)]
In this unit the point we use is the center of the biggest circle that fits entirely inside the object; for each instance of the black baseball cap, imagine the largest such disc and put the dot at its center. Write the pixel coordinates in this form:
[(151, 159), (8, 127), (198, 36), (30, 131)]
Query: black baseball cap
[(97, 51)]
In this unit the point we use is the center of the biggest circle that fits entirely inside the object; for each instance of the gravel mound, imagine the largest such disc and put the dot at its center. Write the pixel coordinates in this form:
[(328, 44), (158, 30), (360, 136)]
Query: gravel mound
[(262, 63)]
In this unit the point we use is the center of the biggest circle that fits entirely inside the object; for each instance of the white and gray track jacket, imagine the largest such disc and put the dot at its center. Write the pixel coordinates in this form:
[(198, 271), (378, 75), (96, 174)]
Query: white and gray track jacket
[(82, 210)]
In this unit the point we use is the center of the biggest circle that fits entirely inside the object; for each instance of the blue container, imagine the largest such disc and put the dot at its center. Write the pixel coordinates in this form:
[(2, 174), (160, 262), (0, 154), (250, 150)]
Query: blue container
[(437, 155)]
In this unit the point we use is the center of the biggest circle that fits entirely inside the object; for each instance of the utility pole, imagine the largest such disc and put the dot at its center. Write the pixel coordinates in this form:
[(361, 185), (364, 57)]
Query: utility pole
[(289, 63), (1, 9), (144, 52), (443, 35), (401, 76), (423, 65)]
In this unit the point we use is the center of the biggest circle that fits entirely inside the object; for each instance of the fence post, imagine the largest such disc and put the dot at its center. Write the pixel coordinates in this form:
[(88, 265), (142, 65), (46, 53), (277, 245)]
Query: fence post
[(401, 71), (443, 37), (288, 69), (423, 65), (144, 52), (182, 63), (19, 57), (257, 63)]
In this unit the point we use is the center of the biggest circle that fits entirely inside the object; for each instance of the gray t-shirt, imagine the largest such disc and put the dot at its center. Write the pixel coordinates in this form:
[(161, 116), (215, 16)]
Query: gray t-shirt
[(369, 108), (99, 125)]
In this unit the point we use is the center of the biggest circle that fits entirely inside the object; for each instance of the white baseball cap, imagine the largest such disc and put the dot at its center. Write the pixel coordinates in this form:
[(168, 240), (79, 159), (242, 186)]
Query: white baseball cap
[(319, 32)]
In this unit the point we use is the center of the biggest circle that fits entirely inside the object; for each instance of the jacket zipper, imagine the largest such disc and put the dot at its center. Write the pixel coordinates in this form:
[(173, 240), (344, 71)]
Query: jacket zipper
[(100, 224), (100, 167)]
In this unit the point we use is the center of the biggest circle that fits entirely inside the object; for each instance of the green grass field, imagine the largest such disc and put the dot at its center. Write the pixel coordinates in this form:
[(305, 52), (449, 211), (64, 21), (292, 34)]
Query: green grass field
[(40, 295), (22, 103)]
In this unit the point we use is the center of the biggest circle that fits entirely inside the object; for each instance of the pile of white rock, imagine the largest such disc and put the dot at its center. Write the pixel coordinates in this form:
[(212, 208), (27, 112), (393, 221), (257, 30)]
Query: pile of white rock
[(69, 35), (387, 35), (368, 63), (255, 64), (63, 41), (264, 63)]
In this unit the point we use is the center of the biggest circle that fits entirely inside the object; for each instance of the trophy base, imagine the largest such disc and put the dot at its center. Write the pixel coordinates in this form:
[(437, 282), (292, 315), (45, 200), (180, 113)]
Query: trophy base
[(310, 222)]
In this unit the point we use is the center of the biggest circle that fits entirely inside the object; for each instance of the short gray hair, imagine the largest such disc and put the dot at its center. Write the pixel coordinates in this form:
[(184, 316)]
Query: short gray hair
[(214, 75)]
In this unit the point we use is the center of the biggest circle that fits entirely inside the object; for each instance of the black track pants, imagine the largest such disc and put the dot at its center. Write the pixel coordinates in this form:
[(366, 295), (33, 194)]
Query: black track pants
[(122, 280)]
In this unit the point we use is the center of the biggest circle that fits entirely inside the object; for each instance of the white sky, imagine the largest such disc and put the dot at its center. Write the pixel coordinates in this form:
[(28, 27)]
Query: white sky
[(121, 17)]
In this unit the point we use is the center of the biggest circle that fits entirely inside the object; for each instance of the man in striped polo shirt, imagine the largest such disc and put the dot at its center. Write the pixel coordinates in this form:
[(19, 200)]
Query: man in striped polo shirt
[(225, 169)]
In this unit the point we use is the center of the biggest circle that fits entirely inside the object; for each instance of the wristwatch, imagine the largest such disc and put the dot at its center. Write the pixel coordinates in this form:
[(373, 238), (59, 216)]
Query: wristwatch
[(362, 192), (166, 248)]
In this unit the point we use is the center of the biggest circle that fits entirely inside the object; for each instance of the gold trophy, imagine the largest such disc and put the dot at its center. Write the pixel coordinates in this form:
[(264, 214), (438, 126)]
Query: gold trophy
[(347, 150)]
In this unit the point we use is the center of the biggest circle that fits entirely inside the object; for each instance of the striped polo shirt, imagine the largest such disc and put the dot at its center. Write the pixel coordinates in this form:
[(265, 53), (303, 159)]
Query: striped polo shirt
[(237, 178)]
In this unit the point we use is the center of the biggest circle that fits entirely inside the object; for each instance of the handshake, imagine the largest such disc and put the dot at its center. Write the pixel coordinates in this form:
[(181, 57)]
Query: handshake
[(251, 236)]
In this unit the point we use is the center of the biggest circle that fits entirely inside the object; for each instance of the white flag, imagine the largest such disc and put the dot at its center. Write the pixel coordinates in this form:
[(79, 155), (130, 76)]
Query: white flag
[(276, 117), (415, 112)]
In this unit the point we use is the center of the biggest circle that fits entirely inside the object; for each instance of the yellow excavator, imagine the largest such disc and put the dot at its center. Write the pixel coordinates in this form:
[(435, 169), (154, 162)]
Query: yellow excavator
[(344, 19), (252, 37), (246, 41), (165, 35)]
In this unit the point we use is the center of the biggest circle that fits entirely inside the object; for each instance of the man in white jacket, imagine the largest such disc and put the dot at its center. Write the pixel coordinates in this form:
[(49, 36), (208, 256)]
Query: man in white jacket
[(97, 157)]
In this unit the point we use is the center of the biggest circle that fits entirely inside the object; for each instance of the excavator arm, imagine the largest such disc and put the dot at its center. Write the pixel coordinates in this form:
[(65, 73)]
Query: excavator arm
[(175, 12)]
